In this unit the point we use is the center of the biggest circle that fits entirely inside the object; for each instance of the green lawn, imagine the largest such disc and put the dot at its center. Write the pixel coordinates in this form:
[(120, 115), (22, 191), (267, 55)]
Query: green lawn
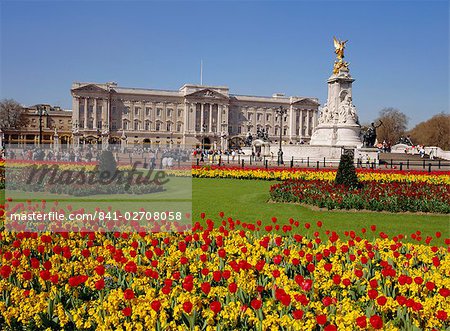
[(246, 200)]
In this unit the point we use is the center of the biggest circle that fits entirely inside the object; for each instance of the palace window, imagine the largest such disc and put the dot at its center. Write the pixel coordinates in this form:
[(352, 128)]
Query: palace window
[(137, 110), (239, 129), (158, 126), (169, 126), (99, 124), (180, 112), (179, 127), (250, 117), (125, 125), (259, 117), (169, 112), (147, 111), (158, 111), (126, 110), (285, 131), (267, 117), (147, 125), (114, 125), (136, 125)]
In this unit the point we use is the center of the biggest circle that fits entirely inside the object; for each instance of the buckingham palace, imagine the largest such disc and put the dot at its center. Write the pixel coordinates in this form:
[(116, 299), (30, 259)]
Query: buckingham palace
[(194, 115)]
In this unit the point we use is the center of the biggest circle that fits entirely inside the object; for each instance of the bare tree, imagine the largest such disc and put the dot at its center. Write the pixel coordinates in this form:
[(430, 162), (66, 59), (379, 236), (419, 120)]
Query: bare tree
[(394, 125), (11, 114), (433, 132)]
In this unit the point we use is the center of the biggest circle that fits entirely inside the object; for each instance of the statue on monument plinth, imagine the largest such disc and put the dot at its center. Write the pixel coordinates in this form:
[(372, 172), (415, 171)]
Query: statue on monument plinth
[(326, 116), (347, 111), (339, 47), (370, 136)]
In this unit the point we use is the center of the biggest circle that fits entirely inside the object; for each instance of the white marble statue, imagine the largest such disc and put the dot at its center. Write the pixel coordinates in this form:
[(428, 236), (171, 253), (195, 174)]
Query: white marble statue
[(347, 111)]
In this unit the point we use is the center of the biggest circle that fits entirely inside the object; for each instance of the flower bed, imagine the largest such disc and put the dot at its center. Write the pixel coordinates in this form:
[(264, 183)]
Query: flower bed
[(441, 177), (234, 277), (376, 196)]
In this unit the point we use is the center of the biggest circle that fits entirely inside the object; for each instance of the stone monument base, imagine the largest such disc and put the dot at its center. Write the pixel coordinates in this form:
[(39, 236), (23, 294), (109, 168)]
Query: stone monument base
[(324, 135), (349, 135)]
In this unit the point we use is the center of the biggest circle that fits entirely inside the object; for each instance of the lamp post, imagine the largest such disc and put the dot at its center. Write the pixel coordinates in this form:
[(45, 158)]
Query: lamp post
[(203, 141), (41, 111), (281, 112)]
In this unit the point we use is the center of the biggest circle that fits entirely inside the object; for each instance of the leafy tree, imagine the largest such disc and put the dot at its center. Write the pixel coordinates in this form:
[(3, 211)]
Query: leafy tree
[(346, 173), (12, 114), (433, 132), (394, 125)]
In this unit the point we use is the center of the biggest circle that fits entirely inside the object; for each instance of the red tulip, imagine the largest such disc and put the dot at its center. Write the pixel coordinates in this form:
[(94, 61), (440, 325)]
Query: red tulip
[(232, 287), (128, 294), (321, 319), (206, 287), (256, 304), (442, 315), (376, 322), (297, 314), (126, 311), (187, 307), (215, 306), (27, 275), (361, 322), (156, 305), (100, 270), (100, 284)]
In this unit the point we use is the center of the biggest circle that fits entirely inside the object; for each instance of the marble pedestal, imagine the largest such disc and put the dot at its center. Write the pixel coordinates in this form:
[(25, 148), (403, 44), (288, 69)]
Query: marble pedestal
[(349, 135), (324, 135)]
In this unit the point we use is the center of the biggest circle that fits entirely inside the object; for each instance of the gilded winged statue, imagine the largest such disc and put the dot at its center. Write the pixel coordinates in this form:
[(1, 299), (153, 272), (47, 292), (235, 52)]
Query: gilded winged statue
[(339, 47)]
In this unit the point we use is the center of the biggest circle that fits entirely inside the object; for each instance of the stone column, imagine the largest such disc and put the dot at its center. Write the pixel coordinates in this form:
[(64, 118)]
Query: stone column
[(193, 118), (307, 122), (86, 109), (201, 117), (75, 111), (104, 112), (186, 118), (94, 124), (219, 119), (291, 122), (131, 115), (210, 118), (300, 118), (153, 116)]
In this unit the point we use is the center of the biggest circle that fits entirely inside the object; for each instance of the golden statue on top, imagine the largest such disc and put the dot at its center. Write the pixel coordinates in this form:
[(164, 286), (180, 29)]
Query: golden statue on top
[(339, 47)]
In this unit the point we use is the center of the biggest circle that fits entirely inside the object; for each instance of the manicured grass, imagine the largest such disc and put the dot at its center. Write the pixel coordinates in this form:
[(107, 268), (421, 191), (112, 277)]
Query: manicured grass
[(247, 200)]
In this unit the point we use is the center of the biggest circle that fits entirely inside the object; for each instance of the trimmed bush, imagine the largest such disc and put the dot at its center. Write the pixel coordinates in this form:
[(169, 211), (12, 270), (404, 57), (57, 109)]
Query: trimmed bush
[(346, 173), (107, 163)]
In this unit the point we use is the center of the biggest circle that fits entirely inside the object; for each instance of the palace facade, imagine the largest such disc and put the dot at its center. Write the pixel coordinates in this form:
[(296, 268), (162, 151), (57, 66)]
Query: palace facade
[(51, 120), (194, 115)]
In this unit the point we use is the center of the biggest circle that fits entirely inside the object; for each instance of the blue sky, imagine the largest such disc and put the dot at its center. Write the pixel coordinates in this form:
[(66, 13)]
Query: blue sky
[(398, 50)]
